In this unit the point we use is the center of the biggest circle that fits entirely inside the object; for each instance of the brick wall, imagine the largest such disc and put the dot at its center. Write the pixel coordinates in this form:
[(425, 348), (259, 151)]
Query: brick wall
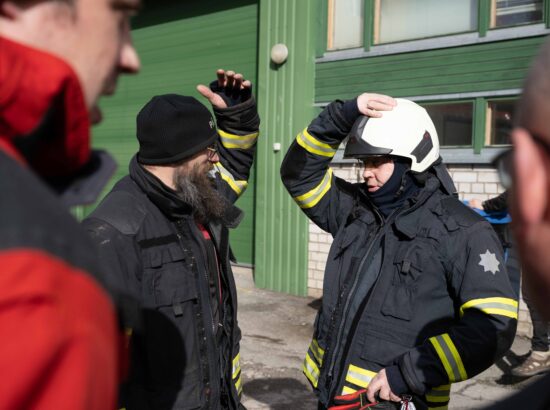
[(471, 181)]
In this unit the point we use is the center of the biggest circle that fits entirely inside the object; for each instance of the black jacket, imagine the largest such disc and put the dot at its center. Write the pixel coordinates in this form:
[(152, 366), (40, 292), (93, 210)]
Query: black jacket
[(153, 249), (423, 293)]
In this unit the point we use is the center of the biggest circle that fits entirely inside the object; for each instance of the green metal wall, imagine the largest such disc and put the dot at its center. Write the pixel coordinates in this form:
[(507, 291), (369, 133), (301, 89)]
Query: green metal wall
[(286, 107), (181, 44), (472, 68)]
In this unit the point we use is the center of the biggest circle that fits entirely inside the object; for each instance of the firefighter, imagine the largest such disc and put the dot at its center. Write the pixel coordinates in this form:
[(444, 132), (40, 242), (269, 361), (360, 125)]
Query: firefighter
[(416, 294)]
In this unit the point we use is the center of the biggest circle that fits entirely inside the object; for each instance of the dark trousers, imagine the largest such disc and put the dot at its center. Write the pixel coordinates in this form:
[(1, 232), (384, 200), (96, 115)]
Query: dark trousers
[(539, 342)]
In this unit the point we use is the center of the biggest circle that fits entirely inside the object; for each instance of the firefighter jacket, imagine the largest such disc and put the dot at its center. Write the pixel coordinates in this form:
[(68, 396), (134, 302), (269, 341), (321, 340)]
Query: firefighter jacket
[(423, 292), (152, 246), (60, 341)]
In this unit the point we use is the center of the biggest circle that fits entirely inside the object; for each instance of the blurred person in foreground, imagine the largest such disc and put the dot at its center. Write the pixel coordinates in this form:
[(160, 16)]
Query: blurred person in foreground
[(61, 344), (525, 169), (538, 359), (163, 236)]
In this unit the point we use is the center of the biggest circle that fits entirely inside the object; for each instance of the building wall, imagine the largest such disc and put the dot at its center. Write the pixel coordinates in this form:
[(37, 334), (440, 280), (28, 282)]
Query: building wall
[(472, 182)]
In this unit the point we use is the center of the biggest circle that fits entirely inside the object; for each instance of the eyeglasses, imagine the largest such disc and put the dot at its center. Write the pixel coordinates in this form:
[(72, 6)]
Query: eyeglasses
[(504, 162), (212, 151)]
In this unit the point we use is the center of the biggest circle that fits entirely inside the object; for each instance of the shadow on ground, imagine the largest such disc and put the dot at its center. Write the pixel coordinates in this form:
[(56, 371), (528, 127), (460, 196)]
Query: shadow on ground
[(280, 393)]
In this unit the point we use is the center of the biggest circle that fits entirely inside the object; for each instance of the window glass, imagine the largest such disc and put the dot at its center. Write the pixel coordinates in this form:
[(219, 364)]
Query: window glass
[(513, 12), (453, 122), (500, 119), (400, 20), (345, 24)]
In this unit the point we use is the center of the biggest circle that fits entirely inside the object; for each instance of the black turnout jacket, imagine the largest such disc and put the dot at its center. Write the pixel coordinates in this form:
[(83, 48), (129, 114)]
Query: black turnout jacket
[(423, 293), (152, 249)]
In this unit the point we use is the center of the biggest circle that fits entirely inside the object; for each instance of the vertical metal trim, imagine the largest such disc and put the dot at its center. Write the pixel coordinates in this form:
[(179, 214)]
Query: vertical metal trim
[(480, 114), (285, 101), (322, 29), (546, 11), (368, 24), (484, 17)]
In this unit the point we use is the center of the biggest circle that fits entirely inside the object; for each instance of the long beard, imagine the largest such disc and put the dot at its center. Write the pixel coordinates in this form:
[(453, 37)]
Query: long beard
[(196, 189)]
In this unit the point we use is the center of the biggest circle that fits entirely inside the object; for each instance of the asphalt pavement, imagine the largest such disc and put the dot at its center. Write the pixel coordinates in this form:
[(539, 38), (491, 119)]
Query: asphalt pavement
[(276, 334)]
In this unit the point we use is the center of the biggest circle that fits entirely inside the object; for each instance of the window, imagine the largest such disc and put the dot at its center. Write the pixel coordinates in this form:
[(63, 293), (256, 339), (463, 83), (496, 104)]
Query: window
[(345, 24), (398, 20), (499, 122), (514, 12), (453, 122)]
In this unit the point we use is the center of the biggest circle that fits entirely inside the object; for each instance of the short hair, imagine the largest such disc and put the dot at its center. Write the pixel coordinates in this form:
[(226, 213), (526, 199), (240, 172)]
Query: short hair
[(535, 99)]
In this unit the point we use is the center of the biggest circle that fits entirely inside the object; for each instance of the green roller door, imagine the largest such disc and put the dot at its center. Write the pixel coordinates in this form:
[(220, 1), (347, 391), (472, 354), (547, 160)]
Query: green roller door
[(181, 44)]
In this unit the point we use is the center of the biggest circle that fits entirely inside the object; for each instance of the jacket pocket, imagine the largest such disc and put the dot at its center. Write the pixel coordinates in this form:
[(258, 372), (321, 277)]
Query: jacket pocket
[(172, 323), (401, 297)]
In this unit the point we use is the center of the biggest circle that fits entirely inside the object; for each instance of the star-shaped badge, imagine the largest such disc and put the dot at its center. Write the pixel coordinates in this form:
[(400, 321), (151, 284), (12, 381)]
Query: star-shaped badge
[(489, 262)]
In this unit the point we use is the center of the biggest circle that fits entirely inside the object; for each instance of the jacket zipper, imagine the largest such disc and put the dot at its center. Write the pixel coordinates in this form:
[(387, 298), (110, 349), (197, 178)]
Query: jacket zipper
[(351, 292)]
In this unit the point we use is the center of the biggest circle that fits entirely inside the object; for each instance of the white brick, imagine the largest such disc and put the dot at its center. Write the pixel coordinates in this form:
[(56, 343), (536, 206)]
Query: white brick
[(313, 246), (477, 188), (324, 247), (465, 176), (464, 187), (314, 237), (487, 177), (320, 265), (491, 188)]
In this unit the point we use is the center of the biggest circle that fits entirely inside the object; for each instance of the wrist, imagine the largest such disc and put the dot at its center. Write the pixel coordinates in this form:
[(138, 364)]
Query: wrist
[(396, 380)]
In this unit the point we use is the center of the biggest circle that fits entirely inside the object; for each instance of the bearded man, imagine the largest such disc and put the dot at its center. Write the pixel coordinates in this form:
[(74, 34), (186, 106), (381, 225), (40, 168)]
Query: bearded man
[(164, 240)]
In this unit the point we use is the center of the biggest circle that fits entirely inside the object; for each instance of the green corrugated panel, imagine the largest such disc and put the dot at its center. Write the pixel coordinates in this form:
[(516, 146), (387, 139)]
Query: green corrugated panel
[(480, 67), (181, 44), (285, 101)]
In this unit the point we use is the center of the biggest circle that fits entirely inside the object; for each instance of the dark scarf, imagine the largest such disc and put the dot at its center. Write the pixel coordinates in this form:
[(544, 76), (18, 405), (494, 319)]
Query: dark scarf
[(393, 194), (166, 199)]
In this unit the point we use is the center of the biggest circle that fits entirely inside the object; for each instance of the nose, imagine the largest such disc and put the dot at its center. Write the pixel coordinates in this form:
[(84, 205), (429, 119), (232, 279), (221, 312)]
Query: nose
[(368, 173), (129, 62)]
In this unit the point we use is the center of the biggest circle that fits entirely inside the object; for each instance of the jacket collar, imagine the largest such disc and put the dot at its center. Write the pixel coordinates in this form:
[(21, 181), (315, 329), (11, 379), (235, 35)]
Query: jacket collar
[(407, 222)]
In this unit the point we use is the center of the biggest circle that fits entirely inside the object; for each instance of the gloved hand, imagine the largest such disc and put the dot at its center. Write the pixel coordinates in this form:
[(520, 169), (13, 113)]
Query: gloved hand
[(228, 90)]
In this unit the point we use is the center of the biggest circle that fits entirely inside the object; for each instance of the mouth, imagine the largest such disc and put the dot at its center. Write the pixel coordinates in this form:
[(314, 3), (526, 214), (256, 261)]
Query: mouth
[(95, 115), (373, 188)]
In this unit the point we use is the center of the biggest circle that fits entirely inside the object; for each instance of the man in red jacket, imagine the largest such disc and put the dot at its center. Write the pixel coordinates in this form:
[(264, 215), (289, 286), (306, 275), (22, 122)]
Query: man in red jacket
[(60, 337)]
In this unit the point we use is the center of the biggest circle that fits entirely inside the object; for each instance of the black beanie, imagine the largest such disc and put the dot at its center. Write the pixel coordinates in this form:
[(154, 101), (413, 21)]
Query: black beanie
[(173, 127)]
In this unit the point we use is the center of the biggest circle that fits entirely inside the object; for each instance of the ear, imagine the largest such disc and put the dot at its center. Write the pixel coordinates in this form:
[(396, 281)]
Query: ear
[(9, 10), (530, 179)]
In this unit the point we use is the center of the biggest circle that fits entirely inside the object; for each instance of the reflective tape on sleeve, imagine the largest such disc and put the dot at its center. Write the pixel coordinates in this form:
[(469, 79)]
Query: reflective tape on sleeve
[(312, 197), (236, 185), (358, 376), (348, 390), (449, 356), (493, 306), (231, 141), (313, 145), (439, 395)]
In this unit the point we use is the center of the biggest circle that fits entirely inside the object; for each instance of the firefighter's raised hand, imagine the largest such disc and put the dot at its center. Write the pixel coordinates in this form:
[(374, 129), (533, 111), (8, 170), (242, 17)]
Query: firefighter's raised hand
[(227, 90), (371, 104), (379, 384)]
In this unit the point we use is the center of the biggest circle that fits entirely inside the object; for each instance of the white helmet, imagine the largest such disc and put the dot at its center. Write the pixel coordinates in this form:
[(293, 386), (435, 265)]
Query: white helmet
[(406, 131)]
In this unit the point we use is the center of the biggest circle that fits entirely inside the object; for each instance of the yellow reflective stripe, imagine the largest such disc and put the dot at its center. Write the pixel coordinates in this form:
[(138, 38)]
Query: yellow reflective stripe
[(313, 145), (238, 385), (237, 186), (440, 394), (348, 390), (318, 353), (358, 376), (449, 357), (312, 197), (311, 370), (237, 141), (446, 407), (493, 306), (236, 365)]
